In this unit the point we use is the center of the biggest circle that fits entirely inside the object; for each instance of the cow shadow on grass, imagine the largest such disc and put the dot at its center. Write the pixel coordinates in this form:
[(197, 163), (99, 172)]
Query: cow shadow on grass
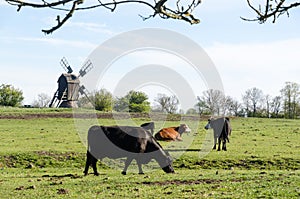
[(69, 175), (180, 150)]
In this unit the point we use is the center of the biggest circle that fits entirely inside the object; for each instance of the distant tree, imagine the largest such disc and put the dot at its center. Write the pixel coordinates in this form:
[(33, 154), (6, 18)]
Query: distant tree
[(121, 104), (166, 103), (191, 111), (10, 96), (252, 100), (162, 102), (133, 101), (103, 100), (275, 106), (290, 95), (42, 100), (232, 106), (246, 104), (267, 100), (214, 101), (200, 106)]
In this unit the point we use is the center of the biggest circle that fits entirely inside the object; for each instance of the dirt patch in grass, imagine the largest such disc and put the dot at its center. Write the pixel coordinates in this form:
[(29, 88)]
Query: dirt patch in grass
[(189, 182), (157, 116)]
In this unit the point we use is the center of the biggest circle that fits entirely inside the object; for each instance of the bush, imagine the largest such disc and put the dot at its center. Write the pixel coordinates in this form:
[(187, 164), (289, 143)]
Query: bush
[(10, 96), (134, 101)]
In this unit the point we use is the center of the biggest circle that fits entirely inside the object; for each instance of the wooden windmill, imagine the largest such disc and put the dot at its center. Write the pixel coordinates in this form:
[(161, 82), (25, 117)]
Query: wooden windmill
[(69, 86)]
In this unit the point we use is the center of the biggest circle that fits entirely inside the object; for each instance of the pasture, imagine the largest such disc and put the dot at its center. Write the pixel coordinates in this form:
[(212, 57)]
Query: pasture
[(42, 156)]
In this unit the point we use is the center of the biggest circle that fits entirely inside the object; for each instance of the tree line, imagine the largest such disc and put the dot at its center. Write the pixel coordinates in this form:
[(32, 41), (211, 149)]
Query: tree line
[(254, 103), (211, 102)]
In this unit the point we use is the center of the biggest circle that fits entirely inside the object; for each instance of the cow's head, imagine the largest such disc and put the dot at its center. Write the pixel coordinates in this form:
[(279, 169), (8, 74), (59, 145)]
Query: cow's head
[(163, 157), (169, 168), (218, 123), (183, 128), (208, 125)]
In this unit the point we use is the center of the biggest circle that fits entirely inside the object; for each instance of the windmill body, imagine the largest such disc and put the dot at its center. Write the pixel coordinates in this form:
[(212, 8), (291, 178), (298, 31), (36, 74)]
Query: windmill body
[(67, 94)]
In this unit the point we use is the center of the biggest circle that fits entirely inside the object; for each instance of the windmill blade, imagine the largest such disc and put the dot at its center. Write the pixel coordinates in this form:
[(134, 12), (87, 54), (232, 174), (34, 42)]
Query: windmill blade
[(66, 65), (85, 68), (83, 91), (53, 99)]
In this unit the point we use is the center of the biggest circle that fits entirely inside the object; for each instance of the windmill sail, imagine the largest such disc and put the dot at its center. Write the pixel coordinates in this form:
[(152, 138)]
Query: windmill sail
[(85, 68), (66, 65)]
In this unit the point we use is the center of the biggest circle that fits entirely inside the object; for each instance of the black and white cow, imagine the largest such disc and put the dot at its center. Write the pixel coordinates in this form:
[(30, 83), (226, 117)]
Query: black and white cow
[(222, 130), (125, 141)]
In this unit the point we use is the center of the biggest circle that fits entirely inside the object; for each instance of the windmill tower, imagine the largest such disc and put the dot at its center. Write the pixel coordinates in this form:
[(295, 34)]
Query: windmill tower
[(69, 86)]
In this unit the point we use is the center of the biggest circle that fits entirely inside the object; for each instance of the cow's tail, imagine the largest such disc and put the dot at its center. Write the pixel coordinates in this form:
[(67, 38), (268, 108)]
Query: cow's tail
[(226, 130)]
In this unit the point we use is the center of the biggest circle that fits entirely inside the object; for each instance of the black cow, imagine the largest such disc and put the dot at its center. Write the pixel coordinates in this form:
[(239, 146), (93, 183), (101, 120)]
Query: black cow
[(222, 130), (125, 141), (149, 126)]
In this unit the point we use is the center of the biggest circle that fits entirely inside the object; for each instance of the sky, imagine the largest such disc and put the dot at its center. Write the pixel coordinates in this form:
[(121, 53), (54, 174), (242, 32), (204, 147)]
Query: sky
[(245, 54)]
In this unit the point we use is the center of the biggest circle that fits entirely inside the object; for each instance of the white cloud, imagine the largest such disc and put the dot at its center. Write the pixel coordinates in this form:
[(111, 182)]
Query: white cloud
[(94, 27), (59, 42)]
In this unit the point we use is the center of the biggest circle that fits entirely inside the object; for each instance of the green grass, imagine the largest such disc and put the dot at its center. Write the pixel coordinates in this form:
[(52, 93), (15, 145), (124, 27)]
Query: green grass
[(19, 111), (44, 158), (186, 183)]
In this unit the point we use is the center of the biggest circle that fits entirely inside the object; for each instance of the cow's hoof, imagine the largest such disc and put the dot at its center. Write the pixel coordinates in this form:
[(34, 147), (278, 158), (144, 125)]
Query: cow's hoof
[(124, 172), (219, 149), (141, 173), (96, 174)]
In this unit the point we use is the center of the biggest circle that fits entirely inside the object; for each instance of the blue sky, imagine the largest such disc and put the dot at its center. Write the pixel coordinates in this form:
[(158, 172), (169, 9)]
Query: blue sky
[(246, 54)]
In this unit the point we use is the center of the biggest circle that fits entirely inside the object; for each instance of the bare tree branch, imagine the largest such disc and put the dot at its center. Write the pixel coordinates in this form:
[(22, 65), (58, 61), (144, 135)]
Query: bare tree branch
[(69, 15), (179, 11), (272, 9)]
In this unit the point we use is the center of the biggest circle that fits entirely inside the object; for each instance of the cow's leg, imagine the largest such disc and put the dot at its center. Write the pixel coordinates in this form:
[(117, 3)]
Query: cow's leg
[(127, 163), (139, 166), (94, 164), (219, 144), (90, 160), (224, 146), (215, 143), (88, 163), (178, 138)]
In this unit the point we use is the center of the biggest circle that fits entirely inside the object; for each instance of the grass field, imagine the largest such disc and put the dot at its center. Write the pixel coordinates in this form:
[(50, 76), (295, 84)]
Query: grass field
[(43, 157)]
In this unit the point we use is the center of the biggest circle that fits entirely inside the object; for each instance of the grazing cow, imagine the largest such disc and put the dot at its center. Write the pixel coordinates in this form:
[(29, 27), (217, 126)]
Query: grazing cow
[(222, 130), (125, 141), (172, 133), (149, 126)]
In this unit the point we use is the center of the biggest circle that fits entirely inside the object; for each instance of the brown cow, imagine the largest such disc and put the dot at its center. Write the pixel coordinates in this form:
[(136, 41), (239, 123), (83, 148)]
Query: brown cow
[(172, 133)]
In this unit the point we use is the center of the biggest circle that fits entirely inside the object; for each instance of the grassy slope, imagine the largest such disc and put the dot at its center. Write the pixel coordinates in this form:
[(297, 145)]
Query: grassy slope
[(262, 160)]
